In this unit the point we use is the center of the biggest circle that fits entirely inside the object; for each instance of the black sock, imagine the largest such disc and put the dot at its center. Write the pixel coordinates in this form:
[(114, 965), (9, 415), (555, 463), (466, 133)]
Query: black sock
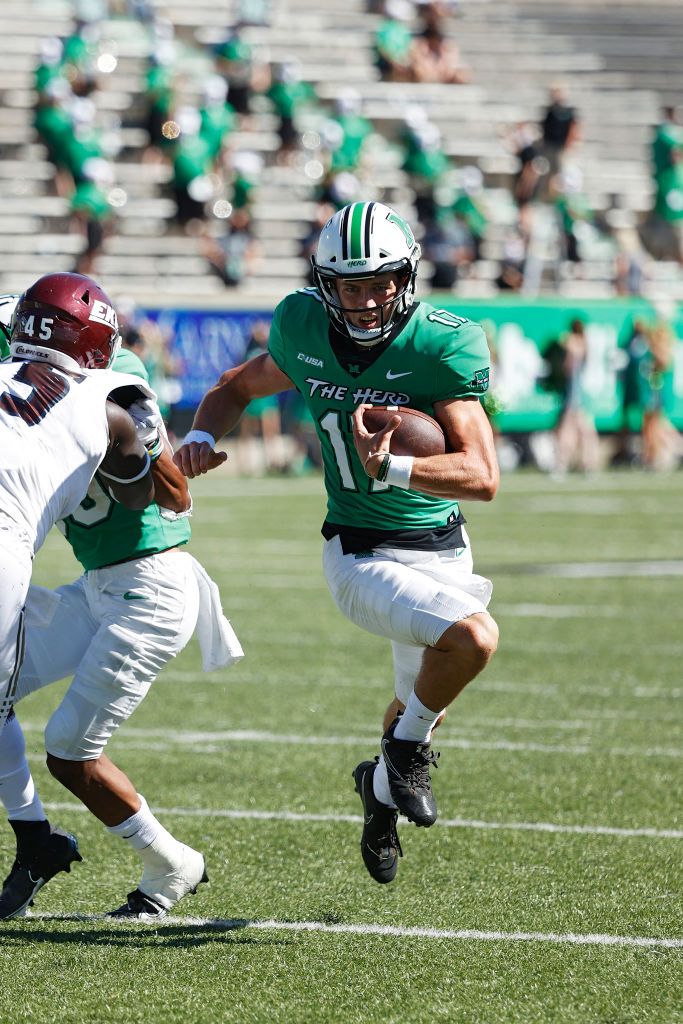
[(31, 836)]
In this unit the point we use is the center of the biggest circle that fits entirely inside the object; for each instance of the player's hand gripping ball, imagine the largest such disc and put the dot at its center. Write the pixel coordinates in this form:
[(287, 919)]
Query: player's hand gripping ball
[(417, 434)]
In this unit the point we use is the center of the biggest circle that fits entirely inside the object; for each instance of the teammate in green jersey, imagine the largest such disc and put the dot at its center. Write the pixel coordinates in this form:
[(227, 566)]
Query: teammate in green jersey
[(113, 630), (397, 558)]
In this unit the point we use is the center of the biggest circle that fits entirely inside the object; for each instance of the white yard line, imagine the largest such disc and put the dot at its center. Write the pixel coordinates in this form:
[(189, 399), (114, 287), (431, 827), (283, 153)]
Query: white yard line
[(357, 819), (396, 931), (202, 742)]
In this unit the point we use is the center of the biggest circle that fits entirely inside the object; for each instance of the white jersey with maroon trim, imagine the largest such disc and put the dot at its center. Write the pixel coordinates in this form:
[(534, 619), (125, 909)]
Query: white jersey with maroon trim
[(53, 436)]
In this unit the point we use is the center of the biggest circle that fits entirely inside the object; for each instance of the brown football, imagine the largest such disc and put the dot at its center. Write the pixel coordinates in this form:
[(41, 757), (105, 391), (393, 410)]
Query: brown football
[(417, 434)]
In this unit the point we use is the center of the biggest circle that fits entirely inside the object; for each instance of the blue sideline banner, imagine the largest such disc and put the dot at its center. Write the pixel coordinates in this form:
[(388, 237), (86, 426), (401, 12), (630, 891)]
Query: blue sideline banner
[(205, 343)]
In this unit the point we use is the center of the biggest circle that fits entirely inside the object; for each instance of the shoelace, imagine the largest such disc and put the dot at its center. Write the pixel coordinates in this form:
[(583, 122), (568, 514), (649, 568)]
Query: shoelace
[(418, 769)]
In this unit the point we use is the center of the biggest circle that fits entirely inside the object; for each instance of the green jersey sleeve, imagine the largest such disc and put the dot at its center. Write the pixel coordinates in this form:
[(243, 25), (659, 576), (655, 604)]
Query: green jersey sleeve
[(464, 364), (276, 343), (127, 362)]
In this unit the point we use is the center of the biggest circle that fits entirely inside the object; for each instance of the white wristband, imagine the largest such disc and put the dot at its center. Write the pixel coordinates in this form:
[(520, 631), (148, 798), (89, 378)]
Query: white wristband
[(398, 474), (199, 437)]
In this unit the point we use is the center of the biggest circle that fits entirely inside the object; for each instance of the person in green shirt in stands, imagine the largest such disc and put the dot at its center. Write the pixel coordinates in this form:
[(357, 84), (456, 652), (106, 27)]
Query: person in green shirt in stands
[(112, 630)]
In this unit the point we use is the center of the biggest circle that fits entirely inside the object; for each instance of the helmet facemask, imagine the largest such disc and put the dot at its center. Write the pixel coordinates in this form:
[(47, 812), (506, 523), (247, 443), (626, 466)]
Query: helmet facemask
[(361, 242)]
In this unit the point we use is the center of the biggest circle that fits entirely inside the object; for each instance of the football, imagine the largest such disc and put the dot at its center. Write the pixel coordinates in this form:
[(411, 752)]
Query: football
[(417, 434)]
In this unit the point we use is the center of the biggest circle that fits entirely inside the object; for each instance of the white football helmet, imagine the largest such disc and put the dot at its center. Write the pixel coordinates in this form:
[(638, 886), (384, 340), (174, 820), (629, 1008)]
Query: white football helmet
[(8, 303), (361, 241)]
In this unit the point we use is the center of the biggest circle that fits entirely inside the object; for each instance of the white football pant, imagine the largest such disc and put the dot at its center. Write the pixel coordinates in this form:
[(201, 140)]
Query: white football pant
[(113, 630), (409, 597)]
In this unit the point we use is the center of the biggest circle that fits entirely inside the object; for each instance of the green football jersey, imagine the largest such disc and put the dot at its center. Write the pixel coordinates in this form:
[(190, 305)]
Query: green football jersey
[(103, 532), (435, 356)]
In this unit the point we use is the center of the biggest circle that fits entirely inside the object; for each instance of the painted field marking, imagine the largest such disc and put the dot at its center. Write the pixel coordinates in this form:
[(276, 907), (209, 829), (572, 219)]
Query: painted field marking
[(201, 742), (465, 934), (357, 819)]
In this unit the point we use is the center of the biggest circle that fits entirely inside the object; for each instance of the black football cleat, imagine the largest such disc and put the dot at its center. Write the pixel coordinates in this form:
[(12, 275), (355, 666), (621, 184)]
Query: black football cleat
[(408, 764), (26, 878), (138, 907), (379, 845)]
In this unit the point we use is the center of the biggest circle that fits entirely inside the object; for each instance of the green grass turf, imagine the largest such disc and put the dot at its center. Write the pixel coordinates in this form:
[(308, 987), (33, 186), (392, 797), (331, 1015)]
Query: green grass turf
[(576, 722)]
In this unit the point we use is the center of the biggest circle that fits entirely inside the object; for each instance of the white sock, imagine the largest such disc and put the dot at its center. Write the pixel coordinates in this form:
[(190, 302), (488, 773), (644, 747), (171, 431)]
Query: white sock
[(159, 851), (380, 783), (416, 722), (17, 791)]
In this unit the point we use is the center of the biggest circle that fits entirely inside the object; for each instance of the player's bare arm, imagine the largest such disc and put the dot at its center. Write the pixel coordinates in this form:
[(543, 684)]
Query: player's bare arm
[(170, 485), (221, 408), (126, 466), (469, 470)]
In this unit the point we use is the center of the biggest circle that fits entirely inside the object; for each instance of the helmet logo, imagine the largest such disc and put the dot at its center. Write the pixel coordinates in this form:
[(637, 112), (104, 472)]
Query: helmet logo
[(402, 226), (103, 314), (356, 263)]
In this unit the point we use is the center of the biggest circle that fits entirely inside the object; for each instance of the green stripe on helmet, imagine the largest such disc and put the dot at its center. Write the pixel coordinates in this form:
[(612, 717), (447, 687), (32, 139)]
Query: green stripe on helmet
[(357, 215)]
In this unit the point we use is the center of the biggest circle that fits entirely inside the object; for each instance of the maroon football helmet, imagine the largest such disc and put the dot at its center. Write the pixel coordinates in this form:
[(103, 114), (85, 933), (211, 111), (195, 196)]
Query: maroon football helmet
[(67, 320)]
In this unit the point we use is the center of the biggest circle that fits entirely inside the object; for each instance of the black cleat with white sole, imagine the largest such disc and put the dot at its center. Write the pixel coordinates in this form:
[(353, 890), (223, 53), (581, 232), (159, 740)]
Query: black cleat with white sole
[(408, 763), (379, 844), (28, 877)]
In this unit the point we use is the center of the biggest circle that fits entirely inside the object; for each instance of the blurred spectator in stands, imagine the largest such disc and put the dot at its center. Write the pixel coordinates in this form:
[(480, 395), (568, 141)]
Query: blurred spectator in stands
[(448, 245), (524, 141), (629, 381), (513, 261), (346, 132), (91, 213), (393, 42), (244, 169), (289, 95), (217, 116), (559, 126), (231, 253), (159, 98), (192, 164), (661, 440), (573, 209), (259, 434), (339, 188), (309, 243), (436, 58), (424, 161), (79, 55), (667, 144), (662, 232), (575, 435), (469, 205), (629, 255), (54, 126), (144, 337), (235, 62), (50, 65)]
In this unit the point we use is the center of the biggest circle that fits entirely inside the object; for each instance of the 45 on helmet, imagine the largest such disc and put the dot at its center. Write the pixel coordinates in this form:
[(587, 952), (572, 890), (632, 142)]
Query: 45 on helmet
[(66, 320), (361, 242)]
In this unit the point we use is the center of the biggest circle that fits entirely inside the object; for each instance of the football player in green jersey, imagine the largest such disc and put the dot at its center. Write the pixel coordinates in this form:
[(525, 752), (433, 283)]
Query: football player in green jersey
[(397, 558), (113, 629)]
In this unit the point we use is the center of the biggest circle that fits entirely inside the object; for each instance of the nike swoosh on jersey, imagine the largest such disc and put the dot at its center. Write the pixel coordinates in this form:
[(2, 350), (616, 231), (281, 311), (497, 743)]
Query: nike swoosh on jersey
[(130, 596), (395, 376)]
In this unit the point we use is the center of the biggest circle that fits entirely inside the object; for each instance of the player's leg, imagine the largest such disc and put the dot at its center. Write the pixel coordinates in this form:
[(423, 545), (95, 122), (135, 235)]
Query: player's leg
[(415, 599), (41, 851), (136, 638)]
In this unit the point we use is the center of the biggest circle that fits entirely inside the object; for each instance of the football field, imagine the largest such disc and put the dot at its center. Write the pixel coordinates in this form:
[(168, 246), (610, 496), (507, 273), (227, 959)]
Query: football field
[(549, 890)]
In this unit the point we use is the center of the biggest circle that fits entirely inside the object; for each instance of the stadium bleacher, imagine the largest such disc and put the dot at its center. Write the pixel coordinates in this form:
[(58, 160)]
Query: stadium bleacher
[(620, 61)]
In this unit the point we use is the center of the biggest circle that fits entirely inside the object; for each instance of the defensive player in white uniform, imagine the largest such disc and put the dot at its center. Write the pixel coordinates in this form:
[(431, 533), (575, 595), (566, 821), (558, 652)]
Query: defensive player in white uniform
[(397, 559), (57, 428), (113, 629)]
